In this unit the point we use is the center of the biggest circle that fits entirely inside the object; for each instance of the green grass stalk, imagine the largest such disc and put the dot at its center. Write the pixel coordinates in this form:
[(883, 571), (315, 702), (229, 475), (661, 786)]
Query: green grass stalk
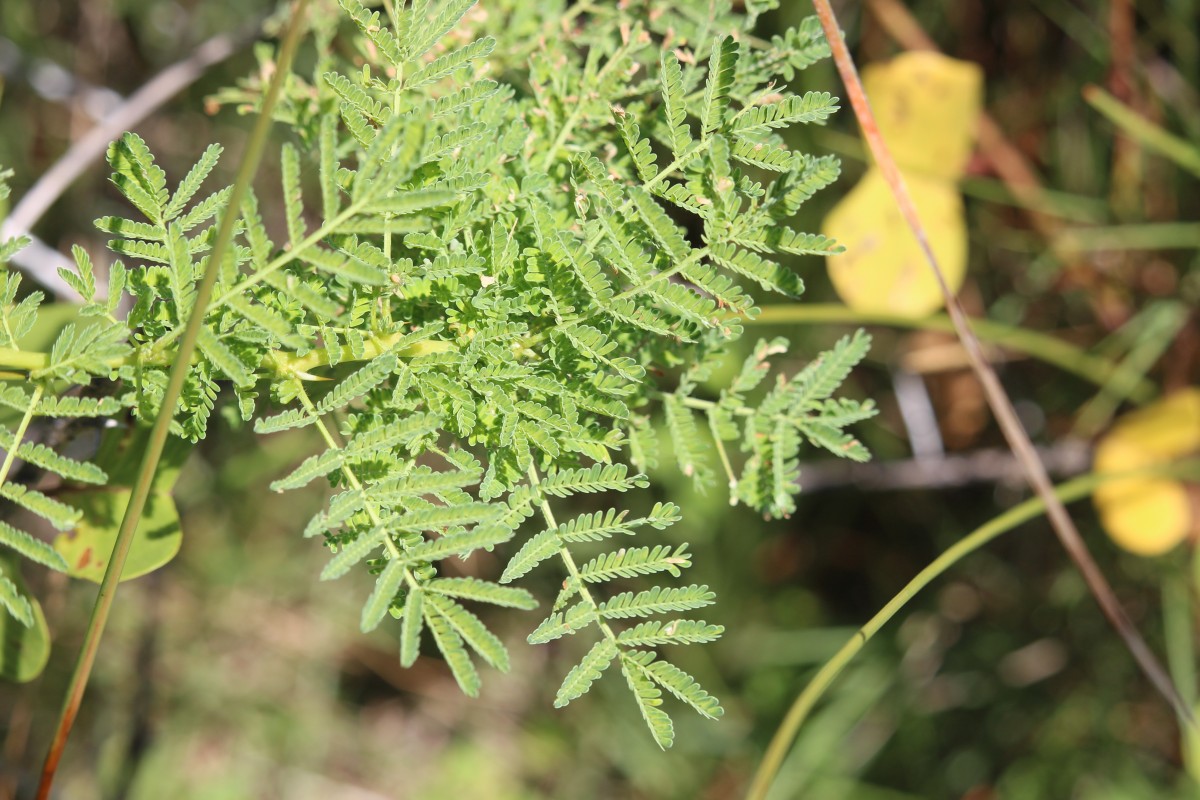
[(159, 431), (1068, 492)]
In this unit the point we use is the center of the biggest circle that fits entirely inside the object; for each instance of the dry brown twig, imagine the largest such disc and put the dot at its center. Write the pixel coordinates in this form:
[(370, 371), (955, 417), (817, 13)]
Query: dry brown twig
[(1006, 416), (41, 262)]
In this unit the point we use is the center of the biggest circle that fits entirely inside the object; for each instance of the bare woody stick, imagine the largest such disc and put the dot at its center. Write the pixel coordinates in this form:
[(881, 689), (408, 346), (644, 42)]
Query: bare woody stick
[(1006, 416), (40, 262)]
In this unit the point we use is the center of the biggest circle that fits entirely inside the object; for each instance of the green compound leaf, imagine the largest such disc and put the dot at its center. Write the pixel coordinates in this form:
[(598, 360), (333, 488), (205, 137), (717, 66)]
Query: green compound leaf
[(677, 631), (412, 621), (483, 592), (353, 552), (813, 107), (31, 547), (677, 682), (449, 63), (658, 600), (589, 480), (627, 563), (674, 112), (450, 643), (722, 65), (472, 631)]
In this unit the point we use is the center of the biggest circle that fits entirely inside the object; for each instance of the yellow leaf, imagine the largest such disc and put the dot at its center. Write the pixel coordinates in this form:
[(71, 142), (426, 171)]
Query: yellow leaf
[(87, 548), (883, 268), (927, 106), (1149, 516)]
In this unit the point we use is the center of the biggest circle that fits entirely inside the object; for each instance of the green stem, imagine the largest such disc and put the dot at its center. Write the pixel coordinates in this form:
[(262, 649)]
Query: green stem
[(19, 436), (162, 423), (1134, 125), (13, 359), (716, 437), (352, 479), (1064, 355), (577, 112), (569, 561), (1068, 492), (287, 363), (1181, 659)]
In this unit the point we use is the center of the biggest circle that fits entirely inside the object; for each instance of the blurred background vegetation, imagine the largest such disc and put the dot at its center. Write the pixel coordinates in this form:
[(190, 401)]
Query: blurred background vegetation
[(233, 673)]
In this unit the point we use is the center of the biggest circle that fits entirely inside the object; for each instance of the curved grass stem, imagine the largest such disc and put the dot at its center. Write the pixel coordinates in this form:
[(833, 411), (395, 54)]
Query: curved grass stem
[(1067, 492), (162, 423)]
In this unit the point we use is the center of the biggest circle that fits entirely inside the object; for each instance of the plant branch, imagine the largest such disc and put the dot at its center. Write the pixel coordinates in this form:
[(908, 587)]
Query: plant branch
[(162, 423), (18, 363), (1068, 492), (577, 111), (997, 399)]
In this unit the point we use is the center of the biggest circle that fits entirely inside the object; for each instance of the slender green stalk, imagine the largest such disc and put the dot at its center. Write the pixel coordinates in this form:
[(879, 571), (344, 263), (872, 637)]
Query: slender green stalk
[(1165, 322), (1067, 492), (1181, 659), (1148, 236), (569, 561), (162, 423), (1064, 355), (353, 480), (284, 362), (1134, 125), (19, 436)]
